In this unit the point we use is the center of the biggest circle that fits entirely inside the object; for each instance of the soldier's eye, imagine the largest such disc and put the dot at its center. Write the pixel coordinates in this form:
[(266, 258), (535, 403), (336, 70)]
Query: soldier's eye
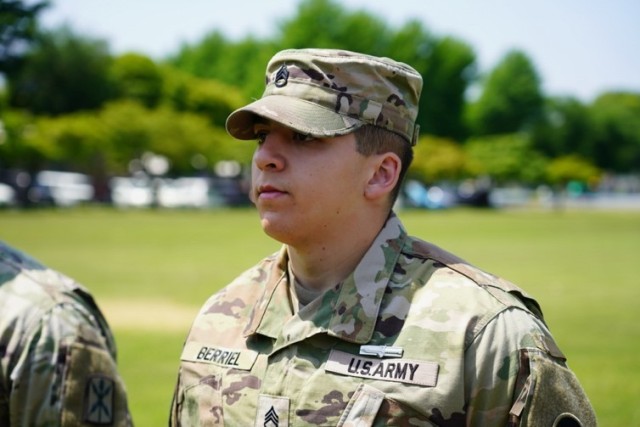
[(300, 137), (261, 136)]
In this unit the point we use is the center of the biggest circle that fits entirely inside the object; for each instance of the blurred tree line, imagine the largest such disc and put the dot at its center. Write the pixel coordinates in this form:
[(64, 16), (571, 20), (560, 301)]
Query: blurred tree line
[(69, 104)]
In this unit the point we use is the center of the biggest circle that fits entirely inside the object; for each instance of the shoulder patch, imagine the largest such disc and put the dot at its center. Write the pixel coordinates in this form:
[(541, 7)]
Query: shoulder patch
[(98, 400)]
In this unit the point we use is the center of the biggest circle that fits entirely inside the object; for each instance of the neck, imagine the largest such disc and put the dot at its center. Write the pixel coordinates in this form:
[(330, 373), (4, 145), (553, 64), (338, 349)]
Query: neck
[(326, 263)]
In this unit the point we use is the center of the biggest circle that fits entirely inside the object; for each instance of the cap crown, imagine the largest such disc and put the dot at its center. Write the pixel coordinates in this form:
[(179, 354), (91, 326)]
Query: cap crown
[(377, 91)]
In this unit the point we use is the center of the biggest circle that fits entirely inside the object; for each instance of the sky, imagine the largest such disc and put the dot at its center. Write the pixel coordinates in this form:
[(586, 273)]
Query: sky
[(580, 48)]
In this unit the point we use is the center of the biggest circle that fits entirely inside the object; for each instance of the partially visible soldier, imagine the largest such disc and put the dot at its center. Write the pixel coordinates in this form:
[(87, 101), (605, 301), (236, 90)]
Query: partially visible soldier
[(354, 322), (57, 353)]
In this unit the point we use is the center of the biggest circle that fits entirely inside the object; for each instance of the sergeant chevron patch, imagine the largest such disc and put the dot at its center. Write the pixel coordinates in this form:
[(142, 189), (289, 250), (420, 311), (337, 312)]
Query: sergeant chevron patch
[(271, 418), (273, 411)]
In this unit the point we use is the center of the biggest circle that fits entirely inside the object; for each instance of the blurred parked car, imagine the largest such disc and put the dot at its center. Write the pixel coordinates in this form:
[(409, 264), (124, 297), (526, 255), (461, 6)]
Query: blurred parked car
[(232, 191), (418, 195), (475, 192), (61, 188), (186, 192), (7, 195), (131, 192)]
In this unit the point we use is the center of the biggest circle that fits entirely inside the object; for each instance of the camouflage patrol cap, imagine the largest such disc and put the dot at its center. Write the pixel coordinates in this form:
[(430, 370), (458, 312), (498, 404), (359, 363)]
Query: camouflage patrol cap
[(326, 93)]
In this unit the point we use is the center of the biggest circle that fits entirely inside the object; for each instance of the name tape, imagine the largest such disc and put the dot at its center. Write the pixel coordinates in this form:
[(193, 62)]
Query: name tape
[(398, 370), (198, 352)]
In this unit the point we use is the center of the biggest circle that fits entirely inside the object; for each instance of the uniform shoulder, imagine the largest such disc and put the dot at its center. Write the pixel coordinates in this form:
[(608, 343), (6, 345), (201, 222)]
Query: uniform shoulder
[(12, 262), (501, 289), (30, 291), (248, 286), (25, 278)]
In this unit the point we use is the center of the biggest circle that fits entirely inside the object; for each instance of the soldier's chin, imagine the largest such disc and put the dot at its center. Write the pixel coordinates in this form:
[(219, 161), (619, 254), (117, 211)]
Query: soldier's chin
[(277, 229)]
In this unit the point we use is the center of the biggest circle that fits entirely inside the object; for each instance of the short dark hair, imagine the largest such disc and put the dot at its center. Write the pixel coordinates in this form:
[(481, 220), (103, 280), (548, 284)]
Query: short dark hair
[(372, 140)]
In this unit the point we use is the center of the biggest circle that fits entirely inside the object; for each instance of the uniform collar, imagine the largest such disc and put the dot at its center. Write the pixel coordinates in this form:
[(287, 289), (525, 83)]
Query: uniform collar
[(349, 311)]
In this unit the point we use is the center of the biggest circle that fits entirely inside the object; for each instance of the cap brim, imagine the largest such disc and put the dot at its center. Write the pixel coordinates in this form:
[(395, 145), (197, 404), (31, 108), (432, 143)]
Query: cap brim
[(298, 114)]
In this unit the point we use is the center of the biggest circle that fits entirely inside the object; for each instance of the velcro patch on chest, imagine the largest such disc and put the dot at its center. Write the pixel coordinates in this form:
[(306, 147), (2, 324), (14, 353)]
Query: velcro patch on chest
[(198, 352), (406, 371), (273, 411)]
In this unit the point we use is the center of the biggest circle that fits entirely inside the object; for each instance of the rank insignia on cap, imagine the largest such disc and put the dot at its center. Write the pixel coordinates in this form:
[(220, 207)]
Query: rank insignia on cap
[(282, 76), (98, 402)]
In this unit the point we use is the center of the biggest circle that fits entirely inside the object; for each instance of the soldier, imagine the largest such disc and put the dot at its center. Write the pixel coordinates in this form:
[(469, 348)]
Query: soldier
[(57, 354), (354, 322)]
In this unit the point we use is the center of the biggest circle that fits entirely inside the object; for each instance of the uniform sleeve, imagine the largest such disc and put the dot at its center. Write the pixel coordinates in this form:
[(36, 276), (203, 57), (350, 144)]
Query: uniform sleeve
[(515, 375), (66, 374)]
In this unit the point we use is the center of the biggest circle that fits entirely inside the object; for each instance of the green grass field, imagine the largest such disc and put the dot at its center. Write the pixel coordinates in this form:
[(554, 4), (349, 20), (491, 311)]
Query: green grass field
[(151, 270)]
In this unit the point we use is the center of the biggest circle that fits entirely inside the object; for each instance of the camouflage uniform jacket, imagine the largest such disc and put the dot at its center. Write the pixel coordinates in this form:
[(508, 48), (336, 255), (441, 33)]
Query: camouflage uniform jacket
[(450, 346), (57, 354)]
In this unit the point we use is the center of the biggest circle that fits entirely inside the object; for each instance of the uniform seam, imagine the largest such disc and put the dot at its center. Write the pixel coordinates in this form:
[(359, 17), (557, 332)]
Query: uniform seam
[(488, 319), (485, 317)]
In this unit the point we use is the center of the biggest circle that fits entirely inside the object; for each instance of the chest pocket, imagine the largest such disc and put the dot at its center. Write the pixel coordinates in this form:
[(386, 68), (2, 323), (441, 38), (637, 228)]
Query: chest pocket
[(199, 398), (212, 381), (370, 407), (363, 407), (385, 391)]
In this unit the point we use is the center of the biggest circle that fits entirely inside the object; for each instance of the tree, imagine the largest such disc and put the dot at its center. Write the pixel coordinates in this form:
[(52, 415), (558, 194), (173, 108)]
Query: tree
[(616, 131), (506, 158), (137, 77), (438, 159), (446, 64), (412, 43), (181, 137), (244, 66), (327, 24), (564, 169), (17, 30), (63, 73), (201, 58), (450, 70), (15, 125), (240, 64), (511, 100), (105, 142), (69, 142), (124, 133), (207, 97), (565, 128)]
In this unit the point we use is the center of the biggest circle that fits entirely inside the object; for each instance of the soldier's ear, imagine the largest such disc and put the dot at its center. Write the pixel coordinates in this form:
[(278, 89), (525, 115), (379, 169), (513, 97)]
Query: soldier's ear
[(385, 172)]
